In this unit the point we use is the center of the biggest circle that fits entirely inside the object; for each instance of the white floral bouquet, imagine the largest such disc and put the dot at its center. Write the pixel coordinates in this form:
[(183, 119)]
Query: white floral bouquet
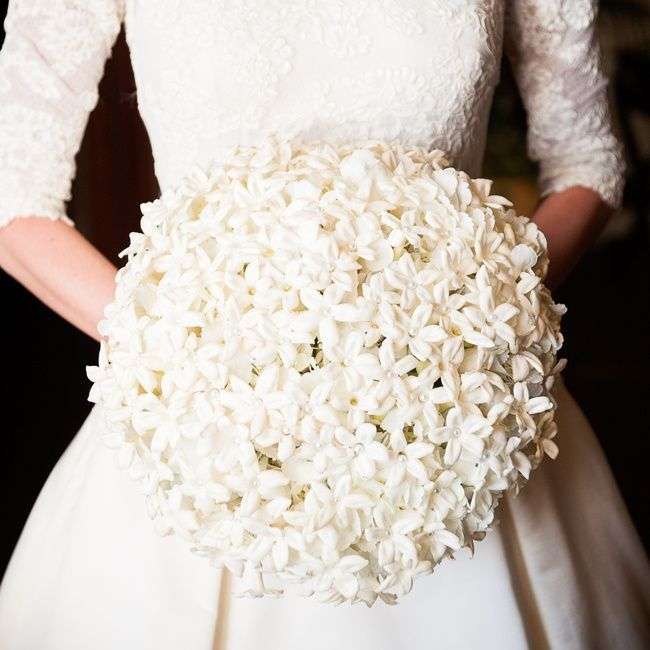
[(327, 363)]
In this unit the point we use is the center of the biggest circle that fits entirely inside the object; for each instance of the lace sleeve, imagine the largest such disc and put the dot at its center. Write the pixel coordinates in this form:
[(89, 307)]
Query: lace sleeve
[(50, 65), (556, 60)]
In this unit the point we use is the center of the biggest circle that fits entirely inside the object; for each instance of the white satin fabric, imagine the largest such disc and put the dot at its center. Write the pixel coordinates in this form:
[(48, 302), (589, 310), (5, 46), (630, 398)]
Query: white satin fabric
[(564, 569)]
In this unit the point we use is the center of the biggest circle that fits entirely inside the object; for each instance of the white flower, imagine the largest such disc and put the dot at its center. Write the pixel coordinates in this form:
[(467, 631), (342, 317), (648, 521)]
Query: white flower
[(326, 363), (422, 335), (405, 229), (367, 450), (524, 407), (465, 391), (356, 362), (461, 433), (252, 406), (413, 284), (391, 370)]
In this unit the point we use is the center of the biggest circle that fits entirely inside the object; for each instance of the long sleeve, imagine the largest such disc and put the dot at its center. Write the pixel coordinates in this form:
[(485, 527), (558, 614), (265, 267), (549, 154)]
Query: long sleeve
[(51, 62), (556, 60)]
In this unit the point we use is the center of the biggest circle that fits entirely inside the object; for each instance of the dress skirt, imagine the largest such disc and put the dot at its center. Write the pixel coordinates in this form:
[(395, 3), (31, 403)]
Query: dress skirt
[(564, 569)]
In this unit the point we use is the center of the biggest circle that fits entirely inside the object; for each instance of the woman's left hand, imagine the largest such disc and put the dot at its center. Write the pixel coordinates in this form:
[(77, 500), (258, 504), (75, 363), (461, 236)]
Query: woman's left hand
[(571, 220)]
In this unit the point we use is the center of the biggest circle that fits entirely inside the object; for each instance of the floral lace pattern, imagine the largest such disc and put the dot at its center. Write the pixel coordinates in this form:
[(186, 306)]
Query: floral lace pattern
[(51, 62), (215, 73), (557, 65), (434, 93)]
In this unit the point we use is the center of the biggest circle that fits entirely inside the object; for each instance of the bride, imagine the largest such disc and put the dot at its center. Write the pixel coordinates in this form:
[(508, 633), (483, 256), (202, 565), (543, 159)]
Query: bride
[(564, 568)]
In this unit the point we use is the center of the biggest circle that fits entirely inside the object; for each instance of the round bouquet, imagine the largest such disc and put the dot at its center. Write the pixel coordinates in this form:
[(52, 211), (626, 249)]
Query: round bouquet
[(327, 363)]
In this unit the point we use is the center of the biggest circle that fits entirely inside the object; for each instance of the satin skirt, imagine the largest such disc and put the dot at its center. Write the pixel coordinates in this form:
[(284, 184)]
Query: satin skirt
[(564, 568)]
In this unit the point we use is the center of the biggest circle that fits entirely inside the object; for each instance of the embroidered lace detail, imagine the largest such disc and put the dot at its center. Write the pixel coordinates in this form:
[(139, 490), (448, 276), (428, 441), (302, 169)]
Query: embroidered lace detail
[(557, 65), (239, 70), (213, 73), (51, 62)]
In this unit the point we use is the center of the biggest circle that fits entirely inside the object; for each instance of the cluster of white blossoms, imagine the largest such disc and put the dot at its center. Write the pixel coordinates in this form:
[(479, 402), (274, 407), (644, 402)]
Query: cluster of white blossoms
[(327, 363)]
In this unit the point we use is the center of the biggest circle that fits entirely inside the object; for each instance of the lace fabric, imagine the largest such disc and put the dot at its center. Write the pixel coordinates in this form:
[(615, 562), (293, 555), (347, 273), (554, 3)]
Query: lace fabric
[(50, 65), (213, 73), (556, 61)]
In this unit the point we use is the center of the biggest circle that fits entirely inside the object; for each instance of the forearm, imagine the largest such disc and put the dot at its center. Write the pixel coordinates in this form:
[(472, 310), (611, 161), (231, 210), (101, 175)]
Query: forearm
[(59, 266), (571, 220)]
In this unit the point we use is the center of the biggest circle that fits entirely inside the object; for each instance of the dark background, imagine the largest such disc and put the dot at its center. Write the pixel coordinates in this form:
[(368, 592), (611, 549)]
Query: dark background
[(44, 386)]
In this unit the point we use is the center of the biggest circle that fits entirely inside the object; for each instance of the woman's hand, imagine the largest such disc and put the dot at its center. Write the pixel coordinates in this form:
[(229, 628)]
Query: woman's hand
[(571, 220), (59, 266)]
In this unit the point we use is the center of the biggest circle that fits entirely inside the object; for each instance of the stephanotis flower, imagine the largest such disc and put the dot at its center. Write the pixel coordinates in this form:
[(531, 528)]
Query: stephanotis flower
[(327, 363), (461, 433)]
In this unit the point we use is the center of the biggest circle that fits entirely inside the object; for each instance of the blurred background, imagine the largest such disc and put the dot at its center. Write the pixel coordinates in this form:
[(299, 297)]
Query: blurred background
[(45, 387)]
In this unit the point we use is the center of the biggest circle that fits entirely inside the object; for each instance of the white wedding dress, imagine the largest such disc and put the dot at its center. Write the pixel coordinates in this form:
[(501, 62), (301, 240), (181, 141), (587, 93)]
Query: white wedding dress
[(564, 568)]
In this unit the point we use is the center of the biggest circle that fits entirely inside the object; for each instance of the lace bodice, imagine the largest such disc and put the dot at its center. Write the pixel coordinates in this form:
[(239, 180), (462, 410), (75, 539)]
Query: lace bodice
[(213, 73)]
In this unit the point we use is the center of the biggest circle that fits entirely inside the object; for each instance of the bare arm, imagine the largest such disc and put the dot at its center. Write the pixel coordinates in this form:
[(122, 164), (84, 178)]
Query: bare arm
[(59, 266), (571, 219)]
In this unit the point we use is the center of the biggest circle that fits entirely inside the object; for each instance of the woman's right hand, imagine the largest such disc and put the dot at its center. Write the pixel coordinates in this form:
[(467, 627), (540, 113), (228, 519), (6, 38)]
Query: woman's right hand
[(60, 267)]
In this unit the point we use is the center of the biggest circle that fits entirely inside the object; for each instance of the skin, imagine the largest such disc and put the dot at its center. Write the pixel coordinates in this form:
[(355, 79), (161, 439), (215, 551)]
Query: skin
[(64, 270), (571, 220), (60, 267)]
